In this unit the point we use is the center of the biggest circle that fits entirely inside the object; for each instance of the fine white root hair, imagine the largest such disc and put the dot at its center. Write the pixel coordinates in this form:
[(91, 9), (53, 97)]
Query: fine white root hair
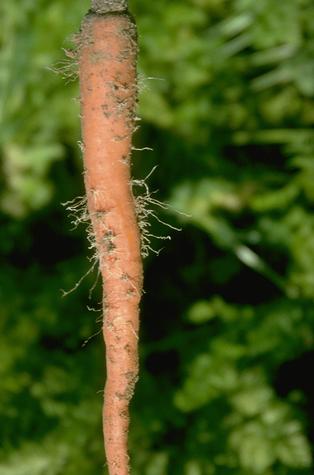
[(78, 213), (143, 203), (142, 81), (91, 337), (65, 293), (77, 209), (68, 67)]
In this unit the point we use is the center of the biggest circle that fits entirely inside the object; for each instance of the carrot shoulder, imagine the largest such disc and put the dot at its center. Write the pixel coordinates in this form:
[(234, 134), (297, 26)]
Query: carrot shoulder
[(107, 70)]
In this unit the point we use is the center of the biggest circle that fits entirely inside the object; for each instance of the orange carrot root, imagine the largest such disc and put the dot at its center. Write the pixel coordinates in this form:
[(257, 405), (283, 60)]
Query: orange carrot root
[(107, 70)]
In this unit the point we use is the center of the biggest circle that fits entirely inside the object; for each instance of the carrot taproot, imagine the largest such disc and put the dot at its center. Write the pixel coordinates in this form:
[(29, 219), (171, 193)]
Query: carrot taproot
[(107, 73)]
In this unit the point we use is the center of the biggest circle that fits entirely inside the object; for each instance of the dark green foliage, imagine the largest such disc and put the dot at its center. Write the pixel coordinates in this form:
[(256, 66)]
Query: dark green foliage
[(228, 314)]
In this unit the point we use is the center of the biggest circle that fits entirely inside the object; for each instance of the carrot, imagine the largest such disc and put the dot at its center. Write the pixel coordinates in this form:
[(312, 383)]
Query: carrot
[(107, 72)]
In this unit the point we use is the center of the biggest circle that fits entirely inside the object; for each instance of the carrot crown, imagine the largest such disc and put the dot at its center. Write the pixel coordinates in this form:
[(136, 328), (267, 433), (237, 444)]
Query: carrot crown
[(109, 6)]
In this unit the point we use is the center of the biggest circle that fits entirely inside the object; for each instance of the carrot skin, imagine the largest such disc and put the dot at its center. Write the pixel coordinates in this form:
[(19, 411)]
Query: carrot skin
[(107, 70)]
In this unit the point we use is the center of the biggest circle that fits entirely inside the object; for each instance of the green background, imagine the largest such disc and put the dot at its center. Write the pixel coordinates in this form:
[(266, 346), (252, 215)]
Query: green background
[(227, 333)]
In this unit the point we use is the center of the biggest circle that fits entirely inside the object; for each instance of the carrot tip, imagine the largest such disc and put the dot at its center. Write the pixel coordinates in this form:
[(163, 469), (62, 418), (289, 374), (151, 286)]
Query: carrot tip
[(109, 6)]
